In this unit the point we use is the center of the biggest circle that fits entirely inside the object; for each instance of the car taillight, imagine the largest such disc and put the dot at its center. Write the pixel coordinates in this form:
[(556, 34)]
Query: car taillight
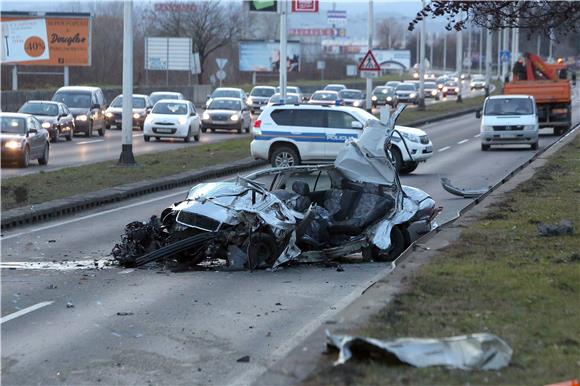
[(257, 124)]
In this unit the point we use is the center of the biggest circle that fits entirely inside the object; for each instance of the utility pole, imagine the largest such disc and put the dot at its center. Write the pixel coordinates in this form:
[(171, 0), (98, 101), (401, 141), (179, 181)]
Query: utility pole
[(444, 51), (422, 64), (370, 32), (469, 49), (499, 34), (431, 41), (505, 64), (487, 59), (480, 49), (126, 158), (283, 50), (459, 54), (539, 46)]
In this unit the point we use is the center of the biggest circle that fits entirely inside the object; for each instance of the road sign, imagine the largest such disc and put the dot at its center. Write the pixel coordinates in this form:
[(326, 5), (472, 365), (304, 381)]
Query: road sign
[(320, 65), (221, 62), (351, 70), (305, 6), (220, 74), (505, 56), (336, 17), (369, 74), (369, 63)]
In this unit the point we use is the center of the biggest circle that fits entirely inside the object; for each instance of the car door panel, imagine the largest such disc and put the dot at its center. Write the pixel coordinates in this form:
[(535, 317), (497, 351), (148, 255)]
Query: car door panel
[(339, 131)]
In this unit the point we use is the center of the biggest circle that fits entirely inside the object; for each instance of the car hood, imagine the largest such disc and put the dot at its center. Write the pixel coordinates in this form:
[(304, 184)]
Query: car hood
[(79, 110), (410, 130), (45, 118), (508, 120)]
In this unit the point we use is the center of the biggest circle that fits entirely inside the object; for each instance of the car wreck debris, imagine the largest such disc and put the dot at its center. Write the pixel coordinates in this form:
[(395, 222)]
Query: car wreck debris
[(465, 193), (276, 216), (467, 352)]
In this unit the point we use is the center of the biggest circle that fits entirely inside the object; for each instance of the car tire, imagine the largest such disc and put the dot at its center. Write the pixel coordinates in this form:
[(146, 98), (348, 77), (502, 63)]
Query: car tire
[(397, 159), (203, 129), (24, 160), (69, 137), (188, 136), (146, 138), (484, 147), (89, 132), (409, 167), (398, 245), (108, 126), (196, 138), (284, 156), (158, 138), (45, 154), (535, 146), (239, 130)]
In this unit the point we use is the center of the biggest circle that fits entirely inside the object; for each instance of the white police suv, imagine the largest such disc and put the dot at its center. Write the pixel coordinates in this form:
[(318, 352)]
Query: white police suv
[(288, 135)]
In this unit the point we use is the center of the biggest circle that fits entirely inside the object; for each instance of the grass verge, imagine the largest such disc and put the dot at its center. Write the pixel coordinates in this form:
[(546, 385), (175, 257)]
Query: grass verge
[(46, 186), (500, 277)]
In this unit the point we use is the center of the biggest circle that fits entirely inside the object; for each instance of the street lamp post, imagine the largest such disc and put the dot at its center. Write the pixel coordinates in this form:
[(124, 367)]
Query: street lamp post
[(283, 50), (422, 65), (369, 88)]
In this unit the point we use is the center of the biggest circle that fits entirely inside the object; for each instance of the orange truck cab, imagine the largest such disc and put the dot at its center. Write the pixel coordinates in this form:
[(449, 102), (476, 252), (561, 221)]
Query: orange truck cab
[(549, 85)]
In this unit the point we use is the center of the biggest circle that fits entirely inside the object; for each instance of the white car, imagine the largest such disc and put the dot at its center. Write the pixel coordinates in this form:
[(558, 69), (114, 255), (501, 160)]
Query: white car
[(509, 120), (172, 118), (288, 135), (477, 82)]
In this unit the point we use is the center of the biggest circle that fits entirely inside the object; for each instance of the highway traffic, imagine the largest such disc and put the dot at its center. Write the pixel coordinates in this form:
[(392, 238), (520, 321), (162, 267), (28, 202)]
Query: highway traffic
[(153, 325)]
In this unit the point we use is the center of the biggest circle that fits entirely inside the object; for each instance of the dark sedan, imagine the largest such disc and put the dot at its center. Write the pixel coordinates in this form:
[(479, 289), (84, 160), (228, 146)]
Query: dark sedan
[(141, 108), (384, 96), (23, 138), (352, 97), (54, 117)]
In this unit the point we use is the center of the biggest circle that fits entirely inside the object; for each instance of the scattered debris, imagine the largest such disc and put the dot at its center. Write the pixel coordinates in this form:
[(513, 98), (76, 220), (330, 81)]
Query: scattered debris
[(70, 305), (467, 352), (339, 269), (278, 304), (51, 286), (244, 359), (124, 313), (52, 241), (564, 227), (465, 193)]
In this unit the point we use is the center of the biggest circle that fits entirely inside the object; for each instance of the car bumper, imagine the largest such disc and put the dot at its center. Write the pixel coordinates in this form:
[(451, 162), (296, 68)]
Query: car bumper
[(525, 137), (227, 125), (11, 154), (259, 149), (419, 152), (152, 130), (118, 122), (478, 86)]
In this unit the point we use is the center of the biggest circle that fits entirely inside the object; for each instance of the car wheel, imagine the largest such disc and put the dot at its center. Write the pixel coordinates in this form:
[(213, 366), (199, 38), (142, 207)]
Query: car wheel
[(90, 129), (409, 167), (146, 138), (70, 135), (262, 250), (44, 159), (248, 127), (196, 138), (25, 158), (535, 146), (484, 147), (158, 138), (101, 132), (398, 245), (188, 137), (284, 156), (108, 126), (203, 129), (240, 129), (397, 158)]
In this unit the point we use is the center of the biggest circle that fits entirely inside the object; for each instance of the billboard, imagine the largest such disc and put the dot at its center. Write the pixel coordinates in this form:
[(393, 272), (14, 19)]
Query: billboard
[(168, 54), (262, 5), (256, 56), (55, 39), (304, 5), (393, 59)]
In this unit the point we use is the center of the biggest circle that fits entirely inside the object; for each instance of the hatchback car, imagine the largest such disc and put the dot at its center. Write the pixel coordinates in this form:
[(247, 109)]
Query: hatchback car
[(477, 82), (87, 104), (325, 98), (158, 95), (226, 92), (384, 96), (228, 114), (392, 83), (259, 96), (291, 215), (141, 107), (335, 87), (22, 139), (431, 91), (293, 90), (172, 118), (407, 92), (291, 99), (451, 87), (54, 117), (352, 97)]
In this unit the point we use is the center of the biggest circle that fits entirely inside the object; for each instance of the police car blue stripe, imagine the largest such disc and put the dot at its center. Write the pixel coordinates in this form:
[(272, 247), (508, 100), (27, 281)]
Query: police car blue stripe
[(306, 136)]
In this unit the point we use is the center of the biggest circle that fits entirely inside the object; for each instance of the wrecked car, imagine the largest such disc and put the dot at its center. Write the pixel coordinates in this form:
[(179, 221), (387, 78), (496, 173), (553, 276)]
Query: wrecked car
[(292, 214)]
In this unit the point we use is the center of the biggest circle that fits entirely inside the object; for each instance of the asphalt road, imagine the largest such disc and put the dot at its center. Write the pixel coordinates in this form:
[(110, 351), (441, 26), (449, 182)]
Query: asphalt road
[(84, 150), (188, 327)]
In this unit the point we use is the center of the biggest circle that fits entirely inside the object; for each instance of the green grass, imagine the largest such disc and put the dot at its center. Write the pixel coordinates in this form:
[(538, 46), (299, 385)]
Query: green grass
[(46, 186), (500, 277)]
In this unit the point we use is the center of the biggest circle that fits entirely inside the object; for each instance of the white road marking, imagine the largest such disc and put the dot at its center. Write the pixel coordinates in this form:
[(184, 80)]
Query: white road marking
[(93, 215), (477, 135), (24, 311), (463, 141), (94, 141), (138, 135), (58, 266), (444, 148)]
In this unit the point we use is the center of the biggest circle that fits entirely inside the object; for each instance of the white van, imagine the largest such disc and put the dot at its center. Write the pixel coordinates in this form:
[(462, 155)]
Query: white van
[(509, 120), (288, 135)]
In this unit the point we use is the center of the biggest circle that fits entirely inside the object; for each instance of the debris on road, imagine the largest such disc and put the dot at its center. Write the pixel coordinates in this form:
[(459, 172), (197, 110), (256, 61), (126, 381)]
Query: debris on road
[(564, 227), (303, 214), (70, 305), (467, 352), (124, 313), (244, 359), (465, 193)]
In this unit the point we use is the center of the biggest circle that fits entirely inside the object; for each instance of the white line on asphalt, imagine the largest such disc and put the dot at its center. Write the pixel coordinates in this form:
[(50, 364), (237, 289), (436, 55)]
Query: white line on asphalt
[(137, 135), (476, 135), (444, 148), (461, 142), (24, 311), (94, 141), (93, 215)]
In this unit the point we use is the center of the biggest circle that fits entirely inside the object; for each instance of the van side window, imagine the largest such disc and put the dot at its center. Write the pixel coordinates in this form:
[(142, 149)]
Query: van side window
[(339, 120), (283, 117)]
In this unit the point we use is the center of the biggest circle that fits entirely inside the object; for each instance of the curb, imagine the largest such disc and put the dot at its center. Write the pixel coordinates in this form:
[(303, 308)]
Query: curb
[(65, 206)]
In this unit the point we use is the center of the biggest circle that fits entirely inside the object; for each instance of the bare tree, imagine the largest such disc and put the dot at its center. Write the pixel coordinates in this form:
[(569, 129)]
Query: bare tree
[(390, 33), (213, 25), (543, 16)]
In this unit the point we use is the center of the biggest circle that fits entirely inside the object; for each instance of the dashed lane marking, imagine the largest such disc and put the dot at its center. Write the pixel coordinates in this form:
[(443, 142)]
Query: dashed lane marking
[(24, 311), (444, 148), (86, 142), (463, 141)]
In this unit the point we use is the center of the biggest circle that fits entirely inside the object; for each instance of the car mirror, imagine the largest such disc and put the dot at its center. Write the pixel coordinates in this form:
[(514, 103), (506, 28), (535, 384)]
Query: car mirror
[(207, 97), (356, 125), (478, 114), (96, 106), (32, 131)]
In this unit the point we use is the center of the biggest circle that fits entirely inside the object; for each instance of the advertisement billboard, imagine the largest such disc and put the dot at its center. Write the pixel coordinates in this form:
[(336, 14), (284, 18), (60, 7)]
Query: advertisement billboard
[(168, 54), (393, 59), (256, 56), (304, 5), (55, 39)]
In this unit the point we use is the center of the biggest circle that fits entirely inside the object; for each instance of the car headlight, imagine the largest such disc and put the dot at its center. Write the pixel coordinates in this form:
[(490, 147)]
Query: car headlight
[(205, 116), (46, 125), (416, 76), (412, 95), (439, 86), (389, 99), (12, 145), (249, 101), (235, 117), (374, 98), (410, 137), (434, 92), (529, 127), (109, 114), (182, 120), (136, 116), (356, 103), (486, 128), (444, 89), (82, 118)]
